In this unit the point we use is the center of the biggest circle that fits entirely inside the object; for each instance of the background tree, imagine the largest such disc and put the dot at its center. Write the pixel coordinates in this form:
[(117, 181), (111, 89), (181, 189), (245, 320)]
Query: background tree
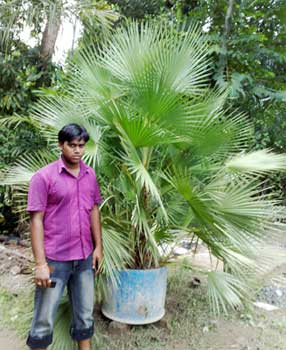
[(253, 55), (171, 160), (249, 51), (23, 71), (26, 70)]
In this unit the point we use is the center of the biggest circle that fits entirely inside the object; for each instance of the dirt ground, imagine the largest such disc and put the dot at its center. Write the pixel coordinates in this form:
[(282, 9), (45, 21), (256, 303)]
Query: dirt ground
[(265, 331), (189, 324), (9, 341)]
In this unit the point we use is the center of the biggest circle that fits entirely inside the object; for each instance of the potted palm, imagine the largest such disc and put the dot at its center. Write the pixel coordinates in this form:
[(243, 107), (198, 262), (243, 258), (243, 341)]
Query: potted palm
[(170, 160)]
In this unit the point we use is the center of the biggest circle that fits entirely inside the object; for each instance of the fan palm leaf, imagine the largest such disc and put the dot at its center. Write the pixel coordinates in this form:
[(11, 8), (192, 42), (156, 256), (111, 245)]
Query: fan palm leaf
[(26, 166), (257, 162), (168, 153), (225, 290), (116, 255)]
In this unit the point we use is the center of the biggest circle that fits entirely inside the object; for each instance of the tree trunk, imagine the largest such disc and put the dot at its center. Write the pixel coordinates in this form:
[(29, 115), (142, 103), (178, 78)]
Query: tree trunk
[(227, 24), (51, 31), (228, 19)]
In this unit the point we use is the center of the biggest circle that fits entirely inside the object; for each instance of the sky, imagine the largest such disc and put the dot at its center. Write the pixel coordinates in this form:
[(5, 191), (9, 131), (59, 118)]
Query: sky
[(64, 39)]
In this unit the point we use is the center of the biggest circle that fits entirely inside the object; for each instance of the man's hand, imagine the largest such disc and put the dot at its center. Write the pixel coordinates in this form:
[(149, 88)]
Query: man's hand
[(97, 259), (42, 276)]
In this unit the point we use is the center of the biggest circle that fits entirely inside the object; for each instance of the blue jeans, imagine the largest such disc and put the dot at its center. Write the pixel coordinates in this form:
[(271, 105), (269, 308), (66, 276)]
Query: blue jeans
[(78, 276)]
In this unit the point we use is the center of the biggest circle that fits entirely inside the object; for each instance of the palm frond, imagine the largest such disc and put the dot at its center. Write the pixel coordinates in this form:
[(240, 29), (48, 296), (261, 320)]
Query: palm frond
[(91, 82), (221, 136), (167, 152), (15, 120), (116, 256), (183, 64), (137, 168), (140, 224), (143, 130), (26, 166), (19, 175), (257, 162), (225, 290), (180, 179), (93, 147), (55, 112), (61, 338), (101, 14), (151, 93), (232, 219)]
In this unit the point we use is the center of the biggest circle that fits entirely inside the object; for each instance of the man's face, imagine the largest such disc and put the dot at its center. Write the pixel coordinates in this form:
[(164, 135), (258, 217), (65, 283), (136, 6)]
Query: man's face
[(73, 151)]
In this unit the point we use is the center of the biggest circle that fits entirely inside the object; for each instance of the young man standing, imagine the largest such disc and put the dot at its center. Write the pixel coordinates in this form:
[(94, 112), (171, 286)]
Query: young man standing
[(66, 240)]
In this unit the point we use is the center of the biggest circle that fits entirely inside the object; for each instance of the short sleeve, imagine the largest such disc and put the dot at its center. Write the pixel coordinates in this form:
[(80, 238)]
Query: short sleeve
[(38, 194), (97, 194)]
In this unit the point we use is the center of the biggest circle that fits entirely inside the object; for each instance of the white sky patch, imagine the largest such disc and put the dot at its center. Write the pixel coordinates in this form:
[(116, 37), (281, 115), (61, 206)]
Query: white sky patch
[(68, 36), (26, 37), (207, 25)]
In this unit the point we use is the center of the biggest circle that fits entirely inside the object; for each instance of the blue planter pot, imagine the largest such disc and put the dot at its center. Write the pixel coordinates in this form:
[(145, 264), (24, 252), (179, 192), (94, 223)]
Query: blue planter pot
[(139, 297)]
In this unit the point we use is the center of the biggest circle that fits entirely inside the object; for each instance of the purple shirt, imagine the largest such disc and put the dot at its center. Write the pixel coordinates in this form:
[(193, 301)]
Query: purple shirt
[(67, 202)]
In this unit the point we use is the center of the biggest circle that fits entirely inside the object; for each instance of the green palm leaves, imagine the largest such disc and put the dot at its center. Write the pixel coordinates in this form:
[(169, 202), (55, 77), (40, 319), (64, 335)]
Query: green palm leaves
[(168, 156)]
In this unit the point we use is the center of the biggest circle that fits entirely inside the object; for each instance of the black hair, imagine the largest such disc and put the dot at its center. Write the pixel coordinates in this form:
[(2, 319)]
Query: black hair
[(71, 132)]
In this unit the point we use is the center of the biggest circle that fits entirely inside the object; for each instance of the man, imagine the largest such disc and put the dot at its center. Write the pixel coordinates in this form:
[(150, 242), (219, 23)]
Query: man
[(66, 239)]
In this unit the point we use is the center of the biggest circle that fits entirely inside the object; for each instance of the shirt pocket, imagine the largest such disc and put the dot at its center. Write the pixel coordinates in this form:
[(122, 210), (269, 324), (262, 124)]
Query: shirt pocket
[(88, 200), (58, 193)]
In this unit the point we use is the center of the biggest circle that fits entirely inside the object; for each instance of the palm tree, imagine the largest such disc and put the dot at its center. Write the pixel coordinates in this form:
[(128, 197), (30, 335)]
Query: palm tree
[(170, 159)]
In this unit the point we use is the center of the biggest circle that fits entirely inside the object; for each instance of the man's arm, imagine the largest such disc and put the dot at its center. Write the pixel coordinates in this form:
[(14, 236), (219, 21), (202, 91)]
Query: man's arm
[(42, 272), (96, 233)]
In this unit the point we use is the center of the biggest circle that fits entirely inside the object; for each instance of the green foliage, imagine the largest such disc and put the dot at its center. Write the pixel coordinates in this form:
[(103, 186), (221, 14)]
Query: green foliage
[(138, 9), (170, 159), (254, 65), (22, 73), (256, 61), (255, 57), (16, 15), (166, 149), (256, 51)]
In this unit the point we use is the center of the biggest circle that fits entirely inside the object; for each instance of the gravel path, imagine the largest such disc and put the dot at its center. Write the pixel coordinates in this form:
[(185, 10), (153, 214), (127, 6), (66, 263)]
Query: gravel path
[(273, 295), (274, 292)]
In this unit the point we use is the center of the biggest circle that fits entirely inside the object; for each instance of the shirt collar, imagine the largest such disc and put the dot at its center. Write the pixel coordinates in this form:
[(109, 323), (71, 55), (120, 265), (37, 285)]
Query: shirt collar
[(61, 165)]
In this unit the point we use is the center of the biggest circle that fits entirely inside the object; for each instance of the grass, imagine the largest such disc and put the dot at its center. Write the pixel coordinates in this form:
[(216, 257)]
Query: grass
[(191, 325), (187, 310), (187, 313), (16, 311)]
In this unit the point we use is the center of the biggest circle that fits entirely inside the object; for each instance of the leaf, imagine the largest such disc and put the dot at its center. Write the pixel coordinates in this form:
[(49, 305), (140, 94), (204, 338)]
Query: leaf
[(225, 291), (257, 162)]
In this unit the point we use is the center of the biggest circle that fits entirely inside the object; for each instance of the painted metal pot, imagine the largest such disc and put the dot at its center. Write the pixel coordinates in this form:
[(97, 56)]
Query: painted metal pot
[(139, 297)]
